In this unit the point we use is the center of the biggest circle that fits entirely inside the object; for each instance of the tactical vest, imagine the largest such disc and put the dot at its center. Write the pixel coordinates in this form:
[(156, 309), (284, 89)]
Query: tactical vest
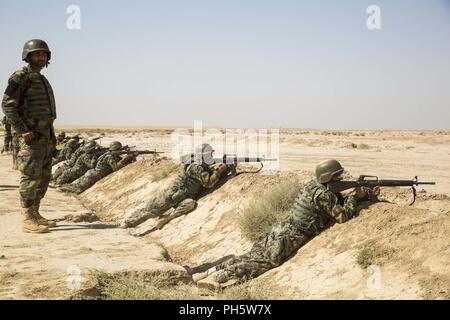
[(187, 183), (306, 212), (102, 165), (75, 156), (38, 106)]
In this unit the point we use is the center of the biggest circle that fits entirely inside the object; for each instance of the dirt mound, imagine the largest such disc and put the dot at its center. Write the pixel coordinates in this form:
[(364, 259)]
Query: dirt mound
[(391, 250)]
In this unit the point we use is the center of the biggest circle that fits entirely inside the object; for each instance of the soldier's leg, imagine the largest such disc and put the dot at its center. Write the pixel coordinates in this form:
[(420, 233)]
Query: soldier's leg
[(84, 182), (8, 139), (69, 175), (43, 185), (15, 149), (30, 161), (59, 171), (184, 207), (268, 253), (154, 208)]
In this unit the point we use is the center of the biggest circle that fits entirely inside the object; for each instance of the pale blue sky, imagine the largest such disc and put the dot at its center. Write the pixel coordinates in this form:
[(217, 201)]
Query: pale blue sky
[(241, 63)]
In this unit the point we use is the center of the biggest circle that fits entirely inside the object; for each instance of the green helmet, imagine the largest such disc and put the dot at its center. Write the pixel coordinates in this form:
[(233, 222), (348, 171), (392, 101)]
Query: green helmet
[(204, 154), (90, 146), (72, 143), (115, 146), (326, 170), (35, 45)]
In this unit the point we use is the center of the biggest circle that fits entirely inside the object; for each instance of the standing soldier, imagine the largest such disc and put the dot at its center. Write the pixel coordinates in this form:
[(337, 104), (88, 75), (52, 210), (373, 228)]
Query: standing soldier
[(29, 105), (8, 137)]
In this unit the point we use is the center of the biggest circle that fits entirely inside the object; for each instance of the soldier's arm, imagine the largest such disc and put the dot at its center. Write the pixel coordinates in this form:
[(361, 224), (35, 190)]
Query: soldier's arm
[(208, 180), (92, 162), (11, 101), (328, 202), (117, 165)]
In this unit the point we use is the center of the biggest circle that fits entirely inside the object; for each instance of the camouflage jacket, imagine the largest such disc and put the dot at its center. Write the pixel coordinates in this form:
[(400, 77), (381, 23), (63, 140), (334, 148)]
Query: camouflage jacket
[(65, 154), (110, 162), (87, 160), (7, 125), (315, 207), (74, 157), (193, 178), (29, 102)]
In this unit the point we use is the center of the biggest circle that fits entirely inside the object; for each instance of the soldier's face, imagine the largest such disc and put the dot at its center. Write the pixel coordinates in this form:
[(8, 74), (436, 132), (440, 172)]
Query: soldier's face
[(39, 58)]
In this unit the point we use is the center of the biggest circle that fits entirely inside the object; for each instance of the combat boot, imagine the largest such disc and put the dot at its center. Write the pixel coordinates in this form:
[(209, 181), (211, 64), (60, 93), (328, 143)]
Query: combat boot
[(40, 219), (196, 277), (217, 281), (30, 224)]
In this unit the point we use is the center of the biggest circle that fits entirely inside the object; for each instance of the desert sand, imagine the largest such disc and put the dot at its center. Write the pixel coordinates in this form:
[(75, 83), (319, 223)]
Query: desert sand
[(415, 239)]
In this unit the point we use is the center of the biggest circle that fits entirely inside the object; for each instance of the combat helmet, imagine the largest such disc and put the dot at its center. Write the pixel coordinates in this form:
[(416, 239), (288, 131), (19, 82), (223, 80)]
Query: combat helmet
[(326, 170), (72, 143), (35, 45), (115, 146), (204, 154), (90, 146)]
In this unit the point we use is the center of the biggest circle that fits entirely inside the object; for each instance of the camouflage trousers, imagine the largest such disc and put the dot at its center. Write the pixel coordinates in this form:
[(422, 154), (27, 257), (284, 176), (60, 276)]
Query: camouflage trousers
[(34, 160), (15, 149), (86, 181), (60, 157), (71, 174), (270, 252), (60, 170), (7, 142), (158, 206)]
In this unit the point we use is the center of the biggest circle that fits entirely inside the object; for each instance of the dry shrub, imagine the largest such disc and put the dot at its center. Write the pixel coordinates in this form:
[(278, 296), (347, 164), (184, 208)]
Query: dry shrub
[(258, 218)]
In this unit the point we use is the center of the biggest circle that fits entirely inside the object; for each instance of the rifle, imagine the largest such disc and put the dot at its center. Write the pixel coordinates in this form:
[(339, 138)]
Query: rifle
[(372, 182), (8, 186), (128, 148), (231, 160), (135, 153), (67, 138)]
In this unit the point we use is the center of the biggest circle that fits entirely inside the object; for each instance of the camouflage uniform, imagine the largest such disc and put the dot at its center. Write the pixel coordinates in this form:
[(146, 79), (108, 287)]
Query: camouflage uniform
[(8, 136), (106, 164), (65, 153), (29, 104), (60, 137), (315, 209), (69, 163), (15, 149), (85, 162), (182, 195)]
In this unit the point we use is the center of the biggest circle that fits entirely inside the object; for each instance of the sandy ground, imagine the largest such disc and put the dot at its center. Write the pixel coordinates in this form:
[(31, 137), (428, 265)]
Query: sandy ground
[(49, 265), (416, 238)]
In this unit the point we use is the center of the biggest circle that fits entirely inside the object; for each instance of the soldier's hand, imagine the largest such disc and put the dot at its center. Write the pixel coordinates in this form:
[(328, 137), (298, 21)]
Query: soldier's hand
[(361, 192), (223, 167), (127, 157), (28, 136), (375, 191)]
